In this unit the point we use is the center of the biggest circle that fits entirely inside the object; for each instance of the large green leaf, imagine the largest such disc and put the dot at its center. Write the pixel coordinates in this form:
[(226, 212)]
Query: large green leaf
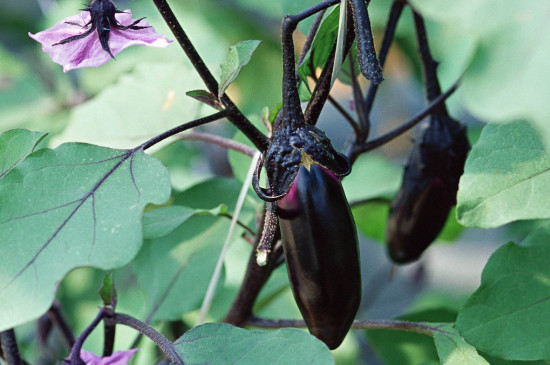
[(77, 205), (174, 270), (506, 43), (225, 344), (506, 315), (453, 350), (15, 145), (505, 178)]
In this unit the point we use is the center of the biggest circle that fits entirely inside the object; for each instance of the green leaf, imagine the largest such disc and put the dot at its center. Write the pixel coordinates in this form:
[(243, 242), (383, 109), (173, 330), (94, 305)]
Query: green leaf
[(77, 205), (237, 57), (174, 270), (107, 291), (506, 315), (506, 177), (205, 97), (159, 222), (225, 344), (453, 350), (15, 145)]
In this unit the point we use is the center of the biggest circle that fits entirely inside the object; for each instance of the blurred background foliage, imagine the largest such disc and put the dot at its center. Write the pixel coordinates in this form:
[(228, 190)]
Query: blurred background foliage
[(142, 93)]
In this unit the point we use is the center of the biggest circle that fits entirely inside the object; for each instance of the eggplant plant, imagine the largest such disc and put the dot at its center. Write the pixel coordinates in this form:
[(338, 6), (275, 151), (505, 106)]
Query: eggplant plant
[(67, 206)]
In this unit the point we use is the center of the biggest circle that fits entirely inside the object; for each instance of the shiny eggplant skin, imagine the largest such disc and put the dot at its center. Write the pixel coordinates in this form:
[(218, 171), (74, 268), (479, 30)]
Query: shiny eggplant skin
[(428, 192), (321, 251)]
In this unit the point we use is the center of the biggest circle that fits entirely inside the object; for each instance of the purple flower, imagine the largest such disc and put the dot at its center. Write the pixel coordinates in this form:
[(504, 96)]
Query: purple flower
[(96, 35), (117, 358)]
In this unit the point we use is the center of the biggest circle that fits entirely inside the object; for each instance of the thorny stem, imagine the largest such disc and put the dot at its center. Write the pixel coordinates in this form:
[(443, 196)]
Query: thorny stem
[(239, 223), (169, 133), (355, 150), (162, 342), (234, 114), (74, 356), (109, 330), (10, 350), (220, 141), (57, 318), (395, 14), (372, 324), (433, 90)]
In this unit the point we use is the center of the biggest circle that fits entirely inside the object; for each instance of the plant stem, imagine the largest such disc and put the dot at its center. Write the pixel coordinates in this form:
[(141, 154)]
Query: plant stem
[(109, 330), (234, 114), (9, 348), (360, 109), (373, 324), (162, 342), (395, 14), (433, 90), (344, 113), (355, 150), (74, 356), (169, 133), (219, 141)]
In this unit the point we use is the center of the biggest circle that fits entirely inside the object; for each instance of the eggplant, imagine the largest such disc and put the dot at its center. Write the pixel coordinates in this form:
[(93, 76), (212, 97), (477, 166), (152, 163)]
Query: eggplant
[(428, 192), (321, 252)]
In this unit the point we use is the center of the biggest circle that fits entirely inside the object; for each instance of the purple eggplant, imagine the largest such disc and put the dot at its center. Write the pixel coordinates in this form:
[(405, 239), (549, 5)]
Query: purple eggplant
[(430, 183), (321, 251)]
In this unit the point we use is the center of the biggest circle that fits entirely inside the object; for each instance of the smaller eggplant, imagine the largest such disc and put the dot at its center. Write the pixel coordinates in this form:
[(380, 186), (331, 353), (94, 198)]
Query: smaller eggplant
[(321, 251), (430, 183)]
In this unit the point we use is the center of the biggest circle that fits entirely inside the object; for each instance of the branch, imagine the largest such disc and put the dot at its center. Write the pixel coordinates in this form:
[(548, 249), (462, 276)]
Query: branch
[(429, 65), (169, 133), (74, 356), (395, 14), (355, 150), (234, 114), (219, 141), (373, 324), (162, 342), (10, 350), (345, 114)]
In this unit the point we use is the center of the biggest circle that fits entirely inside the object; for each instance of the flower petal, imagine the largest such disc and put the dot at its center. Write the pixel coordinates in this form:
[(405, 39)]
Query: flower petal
[(87, 51), (117, 358)]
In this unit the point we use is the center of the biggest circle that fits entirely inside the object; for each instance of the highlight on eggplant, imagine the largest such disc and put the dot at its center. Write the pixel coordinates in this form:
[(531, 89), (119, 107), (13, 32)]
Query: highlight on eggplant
[(321, 251), (428, 192)]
